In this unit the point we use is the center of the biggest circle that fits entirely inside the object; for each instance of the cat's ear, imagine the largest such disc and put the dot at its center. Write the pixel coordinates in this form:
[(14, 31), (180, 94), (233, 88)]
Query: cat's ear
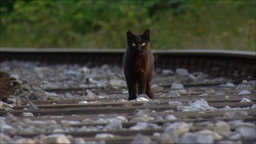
[(129, 34), (146, 35)]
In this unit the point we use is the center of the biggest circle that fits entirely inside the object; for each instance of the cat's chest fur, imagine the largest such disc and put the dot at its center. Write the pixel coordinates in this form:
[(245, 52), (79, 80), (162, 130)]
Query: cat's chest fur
[(138, 63)]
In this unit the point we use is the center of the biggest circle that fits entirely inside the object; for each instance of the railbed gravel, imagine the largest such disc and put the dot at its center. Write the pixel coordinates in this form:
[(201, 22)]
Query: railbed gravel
[(36, 78)]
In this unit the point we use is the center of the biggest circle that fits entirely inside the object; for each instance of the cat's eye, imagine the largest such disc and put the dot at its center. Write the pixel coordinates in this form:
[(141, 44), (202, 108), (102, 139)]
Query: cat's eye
[(143, 44), (134, 44)]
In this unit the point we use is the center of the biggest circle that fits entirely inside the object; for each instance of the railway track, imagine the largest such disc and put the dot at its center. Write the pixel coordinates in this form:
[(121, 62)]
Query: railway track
[(220, 108)]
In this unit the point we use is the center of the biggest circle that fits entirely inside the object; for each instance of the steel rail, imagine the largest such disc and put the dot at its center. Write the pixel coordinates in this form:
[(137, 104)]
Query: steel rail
[(237, 65)]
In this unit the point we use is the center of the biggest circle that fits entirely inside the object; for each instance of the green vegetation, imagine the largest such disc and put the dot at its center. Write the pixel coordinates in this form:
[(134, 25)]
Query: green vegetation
[(175, 24)]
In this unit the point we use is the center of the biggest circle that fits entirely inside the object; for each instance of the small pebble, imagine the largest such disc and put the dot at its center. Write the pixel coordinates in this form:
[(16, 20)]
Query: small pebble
[(57, 139), (140, 126), (226, 97), (142, 98), (78, 141), (104, 135), (203, 95), (198, 105), (5, 106), (24, 141), (4, 138), (245, 100), (11, 117), (215, 136), (141, 139), (90, 94), (191, 77), (165, 139), (222, 128), (167, 72), (156, 88), (170, 117), (244, 92), (177, 86), (203, 137), (182, 72), (176, 130), (188, 138), (151, 103), (235, 136), (83, 102), (175, 103), (253, 107), (247, 132), (229, 84), (27, 114), (144, 125), (114, 125)]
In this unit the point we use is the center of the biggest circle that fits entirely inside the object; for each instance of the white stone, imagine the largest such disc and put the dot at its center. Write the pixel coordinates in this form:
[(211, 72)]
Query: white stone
[(57, 139), (177, 86), (229, 84), (196, 106), (191, 77), (27, 114), (222, 128), (70, 122), (144, 125), (83, 102), (244, 92), (247, 132), (79, 141), (85, 71), (141, 139), (151, 103), (165, 139), (245, 100), (104, 135), (142, 98), (203, 95), (5, 106), (156, 88), (204, 138), (226, 97), (215, 136), (181, 72), (139, 126), (90, 94), (116, 83), (253, 107), (115, 124), (5, 139), (235, 136), (199, 138), (176, 130), (170, 117), (141, 112), (188, 138), (143, 118), (122, 118), (167, 72), (175, 103)]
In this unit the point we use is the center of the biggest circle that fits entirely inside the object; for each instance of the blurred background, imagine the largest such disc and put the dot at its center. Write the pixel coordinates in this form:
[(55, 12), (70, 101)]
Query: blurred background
[(174, 24)]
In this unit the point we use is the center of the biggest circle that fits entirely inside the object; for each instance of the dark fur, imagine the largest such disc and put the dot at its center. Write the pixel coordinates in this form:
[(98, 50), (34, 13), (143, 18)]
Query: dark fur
[(138, 65)]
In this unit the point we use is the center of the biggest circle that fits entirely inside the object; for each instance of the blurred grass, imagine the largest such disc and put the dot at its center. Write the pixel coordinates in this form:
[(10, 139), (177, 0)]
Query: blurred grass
[(174, 24)]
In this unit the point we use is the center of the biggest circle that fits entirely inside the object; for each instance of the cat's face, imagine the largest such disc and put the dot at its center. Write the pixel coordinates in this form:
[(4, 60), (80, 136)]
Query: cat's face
[(138, 43)]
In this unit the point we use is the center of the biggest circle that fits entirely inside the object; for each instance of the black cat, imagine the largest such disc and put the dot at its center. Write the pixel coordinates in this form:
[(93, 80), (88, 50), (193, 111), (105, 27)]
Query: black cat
[(138, 65)]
